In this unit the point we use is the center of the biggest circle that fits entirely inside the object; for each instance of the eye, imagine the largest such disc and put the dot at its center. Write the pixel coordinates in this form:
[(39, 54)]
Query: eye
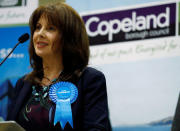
[(51, 28), (38, 27)]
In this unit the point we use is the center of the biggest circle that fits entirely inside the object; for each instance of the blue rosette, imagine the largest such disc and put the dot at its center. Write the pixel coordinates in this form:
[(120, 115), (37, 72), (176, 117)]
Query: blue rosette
[(63, 94)]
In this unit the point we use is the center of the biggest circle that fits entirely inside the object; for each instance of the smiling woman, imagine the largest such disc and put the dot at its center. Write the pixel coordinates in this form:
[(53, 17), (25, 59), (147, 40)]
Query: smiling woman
[(46, 40), (61, 92)]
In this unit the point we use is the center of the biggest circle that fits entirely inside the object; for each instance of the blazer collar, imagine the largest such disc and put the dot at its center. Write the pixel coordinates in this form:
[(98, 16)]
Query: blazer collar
[(22, 97)]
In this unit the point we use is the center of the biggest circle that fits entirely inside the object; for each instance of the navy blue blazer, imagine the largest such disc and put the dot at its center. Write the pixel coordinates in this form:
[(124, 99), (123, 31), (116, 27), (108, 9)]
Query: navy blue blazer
[(89, 111)]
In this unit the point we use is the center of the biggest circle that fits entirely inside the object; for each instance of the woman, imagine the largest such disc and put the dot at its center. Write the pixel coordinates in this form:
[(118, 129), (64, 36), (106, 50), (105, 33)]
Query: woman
[(61, 92)]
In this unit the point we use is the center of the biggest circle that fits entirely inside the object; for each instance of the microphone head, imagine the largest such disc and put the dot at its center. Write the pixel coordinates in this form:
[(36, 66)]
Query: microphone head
[(23, 38)]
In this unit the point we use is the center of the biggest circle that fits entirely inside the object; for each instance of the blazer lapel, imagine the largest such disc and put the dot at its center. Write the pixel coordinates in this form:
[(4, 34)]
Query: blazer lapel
[(26, 89)]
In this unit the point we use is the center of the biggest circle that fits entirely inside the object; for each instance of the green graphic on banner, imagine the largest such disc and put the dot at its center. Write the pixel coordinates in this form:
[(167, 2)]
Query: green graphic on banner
[(13, 25), (45, 2)]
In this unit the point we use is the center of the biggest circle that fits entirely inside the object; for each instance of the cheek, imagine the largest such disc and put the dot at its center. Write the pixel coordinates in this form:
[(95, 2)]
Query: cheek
[(57, 46), (56, 42), (34, 38)]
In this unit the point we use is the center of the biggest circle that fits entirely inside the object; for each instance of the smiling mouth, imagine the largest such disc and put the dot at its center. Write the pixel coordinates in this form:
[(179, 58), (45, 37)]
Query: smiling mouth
[(41, 44)]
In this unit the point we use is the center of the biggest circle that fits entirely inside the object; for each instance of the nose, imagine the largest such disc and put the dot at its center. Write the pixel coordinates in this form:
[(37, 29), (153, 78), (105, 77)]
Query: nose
[(41, 32)]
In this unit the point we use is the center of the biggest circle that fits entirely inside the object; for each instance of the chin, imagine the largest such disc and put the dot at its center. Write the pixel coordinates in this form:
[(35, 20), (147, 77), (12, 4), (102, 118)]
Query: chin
[(43, 55), (40, 54)]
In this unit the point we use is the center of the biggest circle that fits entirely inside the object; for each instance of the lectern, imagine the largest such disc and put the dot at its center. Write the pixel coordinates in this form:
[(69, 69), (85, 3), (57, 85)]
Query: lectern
[(10, 126)]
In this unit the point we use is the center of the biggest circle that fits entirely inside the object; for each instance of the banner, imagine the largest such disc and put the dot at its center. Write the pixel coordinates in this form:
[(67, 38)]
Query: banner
[(133, 24), (138, 49), (118, 35), (14, 18), (14, 12)]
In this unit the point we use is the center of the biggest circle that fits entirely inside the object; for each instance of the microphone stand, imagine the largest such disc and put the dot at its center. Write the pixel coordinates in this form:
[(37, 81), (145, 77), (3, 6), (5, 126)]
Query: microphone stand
[(21, 39), (9, 53)]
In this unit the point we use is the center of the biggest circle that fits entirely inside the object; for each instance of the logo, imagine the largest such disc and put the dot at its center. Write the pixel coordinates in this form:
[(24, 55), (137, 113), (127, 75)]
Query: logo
[(133, 24)]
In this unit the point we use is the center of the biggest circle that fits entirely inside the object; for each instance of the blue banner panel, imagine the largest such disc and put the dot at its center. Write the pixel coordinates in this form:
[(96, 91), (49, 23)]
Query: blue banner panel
[(15, 66)]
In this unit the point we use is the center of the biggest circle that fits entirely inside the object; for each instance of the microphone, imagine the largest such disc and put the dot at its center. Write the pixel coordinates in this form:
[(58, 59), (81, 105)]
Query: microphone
[(21, 39)]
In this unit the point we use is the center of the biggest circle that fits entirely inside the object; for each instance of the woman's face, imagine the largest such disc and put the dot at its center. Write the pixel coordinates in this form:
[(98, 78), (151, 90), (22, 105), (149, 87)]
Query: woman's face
[(46, 39)]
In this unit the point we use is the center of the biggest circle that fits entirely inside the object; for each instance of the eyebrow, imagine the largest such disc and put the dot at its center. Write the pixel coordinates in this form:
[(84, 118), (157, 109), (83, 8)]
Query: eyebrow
[(38, 23)]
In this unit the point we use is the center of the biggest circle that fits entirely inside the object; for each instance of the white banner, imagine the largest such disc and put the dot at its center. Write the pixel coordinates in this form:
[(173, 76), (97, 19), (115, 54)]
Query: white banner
[(16, 11)]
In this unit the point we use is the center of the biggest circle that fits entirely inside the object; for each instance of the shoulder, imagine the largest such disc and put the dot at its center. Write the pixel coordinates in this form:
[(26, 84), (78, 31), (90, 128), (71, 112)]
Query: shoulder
[(21, 80), (92, 72), (92, 76), (20, 83)]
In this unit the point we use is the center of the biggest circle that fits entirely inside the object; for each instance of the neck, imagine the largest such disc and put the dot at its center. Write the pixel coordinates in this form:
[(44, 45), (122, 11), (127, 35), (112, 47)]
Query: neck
[(52, 67)]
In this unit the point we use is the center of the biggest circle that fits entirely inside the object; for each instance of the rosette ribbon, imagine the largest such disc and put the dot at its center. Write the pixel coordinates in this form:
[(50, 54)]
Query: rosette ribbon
[(63, 94)]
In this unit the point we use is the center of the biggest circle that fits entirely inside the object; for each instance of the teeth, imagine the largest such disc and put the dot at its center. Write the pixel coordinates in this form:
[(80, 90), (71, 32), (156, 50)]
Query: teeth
[(42, 44)]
